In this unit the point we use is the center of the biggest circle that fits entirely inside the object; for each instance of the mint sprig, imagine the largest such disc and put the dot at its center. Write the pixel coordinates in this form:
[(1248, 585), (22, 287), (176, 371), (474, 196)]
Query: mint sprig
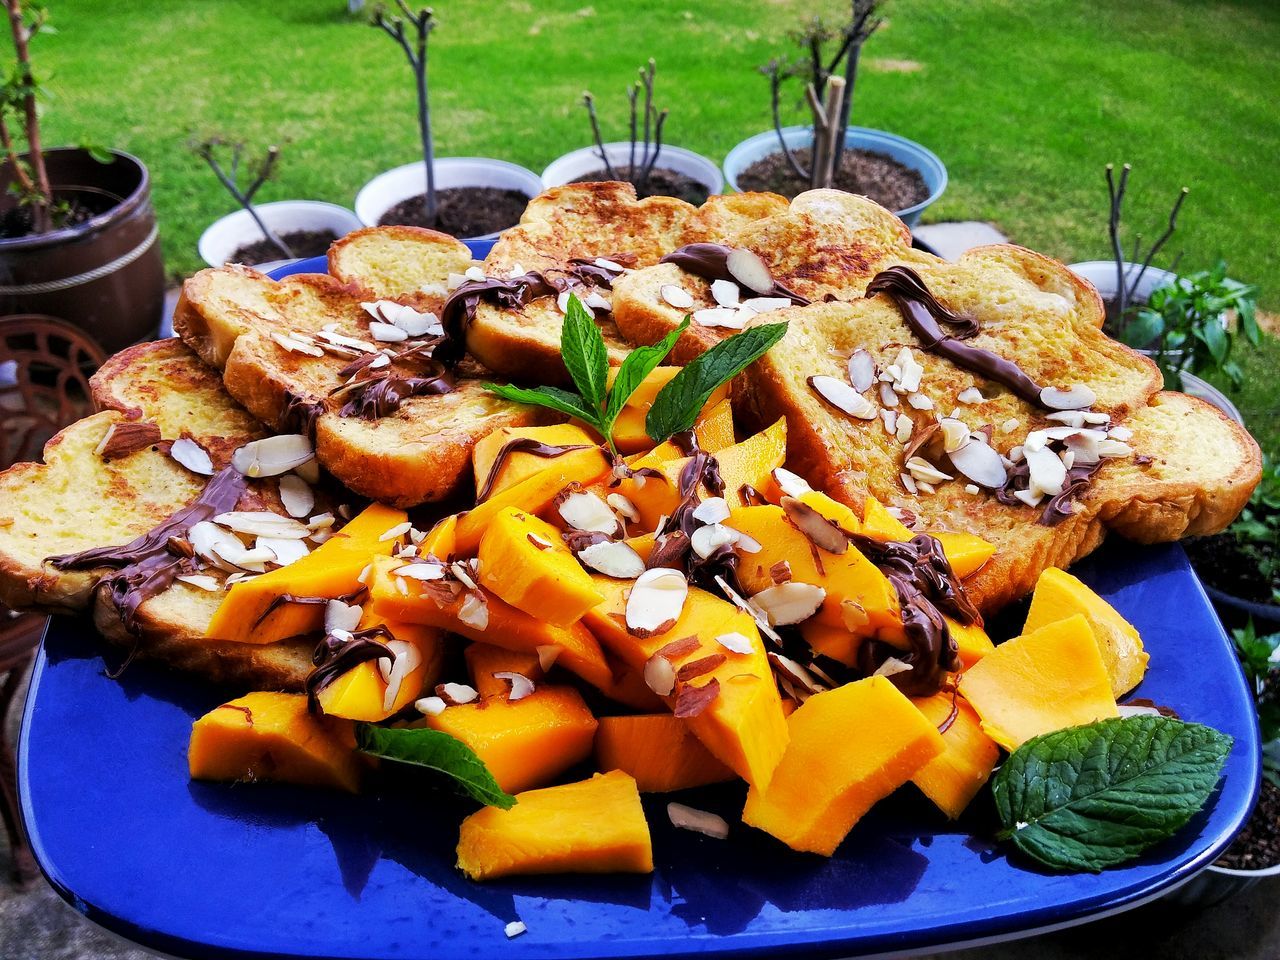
[(676, 406), (438, 751), (587, 359), (1095, 796)]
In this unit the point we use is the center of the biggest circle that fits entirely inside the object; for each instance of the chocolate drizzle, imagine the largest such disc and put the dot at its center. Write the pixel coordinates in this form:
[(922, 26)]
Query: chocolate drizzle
[(378, 392), (300, 414), (334, 656), (529, 445), (1059, 506), (711, 262), (926, 587), (926, 317), (148, 565)]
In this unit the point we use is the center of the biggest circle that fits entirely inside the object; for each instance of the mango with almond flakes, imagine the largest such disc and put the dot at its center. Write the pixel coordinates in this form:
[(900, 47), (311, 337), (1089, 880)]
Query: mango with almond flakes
[(486, 659), (361, 692), (524, 561)]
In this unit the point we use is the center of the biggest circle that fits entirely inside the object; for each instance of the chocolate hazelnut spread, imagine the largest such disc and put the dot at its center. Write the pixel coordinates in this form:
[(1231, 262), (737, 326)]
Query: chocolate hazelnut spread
[(711, 262), (529, 445)]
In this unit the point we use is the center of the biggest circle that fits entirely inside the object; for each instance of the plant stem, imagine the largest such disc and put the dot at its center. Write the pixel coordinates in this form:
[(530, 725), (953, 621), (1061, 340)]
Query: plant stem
[(423, 21), (43, 194), (589, 102), (245, 197), (1113, 227), (1162, 240), (774, 73), (19, 171), (633, 92)]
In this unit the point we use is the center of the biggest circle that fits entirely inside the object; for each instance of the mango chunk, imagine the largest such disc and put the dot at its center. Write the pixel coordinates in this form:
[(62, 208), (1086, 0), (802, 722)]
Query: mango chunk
[(531, 494), (629, 433), (486, 659), (972, 642), (849, 747), (1042, 681), (524, 561), (659, 750), (331, 570), (594, 826), (1059, 595), (630, 690), (952, 779), (859, 597), (272, 736), (361, 693), (751, 462), (743, 726), (838, 643), (441, 540), (527, 742), (965, 552), (519, 465), (879, 524), (405, 599)]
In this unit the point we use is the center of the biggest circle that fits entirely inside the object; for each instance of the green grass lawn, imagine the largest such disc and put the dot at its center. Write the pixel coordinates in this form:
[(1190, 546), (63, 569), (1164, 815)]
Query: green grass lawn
[(1025, 101)]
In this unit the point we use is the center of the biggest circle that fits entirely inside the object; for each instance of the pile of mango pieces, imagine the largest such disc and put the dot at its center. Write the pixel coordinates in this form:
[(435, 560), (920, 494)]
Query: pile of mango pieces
[(696, 699)]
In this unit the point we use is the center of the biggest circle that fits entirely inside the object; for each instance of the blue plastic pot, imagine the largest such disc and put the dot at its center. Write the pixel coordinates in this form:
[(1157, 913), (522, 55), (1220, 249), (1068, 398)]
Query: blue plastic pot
[(907, 152)]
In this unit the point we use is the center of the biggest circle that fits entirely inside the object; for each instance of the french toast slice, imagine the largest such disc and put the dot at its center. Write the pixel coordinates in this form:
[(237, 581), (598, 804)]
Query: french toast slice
[(1189, 470), (237, 318), (408, 264), (77, 499), (586, 221)]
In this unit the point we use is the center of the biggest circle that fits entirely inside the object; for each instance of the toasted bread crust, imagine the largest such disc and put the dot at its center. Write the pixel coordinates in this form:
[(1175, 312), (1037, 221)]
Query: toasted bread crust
[(407, 264)]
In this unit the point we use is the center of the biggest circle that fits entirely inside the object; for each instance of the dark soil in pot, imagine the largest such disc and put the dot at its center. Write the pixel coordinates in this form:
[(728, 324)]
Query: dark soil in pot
[(461, 211), (1220, 563), (81, 207), (661, 183), (302, 243), (1258, 845), (886, 181)]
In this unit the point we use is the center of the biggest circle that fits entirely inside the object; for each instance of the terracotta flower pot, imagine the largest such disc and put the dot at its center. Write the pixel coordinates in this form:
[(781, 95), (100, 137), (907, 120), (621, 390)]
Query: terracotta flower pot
[(105, 275)]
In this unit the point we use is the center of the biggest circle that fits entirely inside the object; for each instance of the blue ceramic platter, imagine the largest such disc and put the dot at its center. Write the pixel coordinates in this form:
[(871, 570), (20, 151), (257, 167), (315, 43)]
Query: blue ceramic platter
[(205, 870)]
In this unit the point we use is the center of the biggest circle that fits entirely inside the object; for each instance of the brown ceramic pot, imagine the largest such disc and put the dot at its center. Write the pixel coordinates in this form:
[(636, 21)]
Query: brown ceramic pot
[(105, 275)]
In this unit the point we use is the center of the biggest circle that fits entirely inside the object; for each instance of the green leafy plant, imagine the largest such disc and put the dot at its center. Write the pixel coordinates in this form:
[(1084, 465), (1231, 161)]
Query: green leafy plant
[(438, 751), (20, 91), (1260, 657), (1257, 530), (1094, 796), (677, 404), (1189, 324)]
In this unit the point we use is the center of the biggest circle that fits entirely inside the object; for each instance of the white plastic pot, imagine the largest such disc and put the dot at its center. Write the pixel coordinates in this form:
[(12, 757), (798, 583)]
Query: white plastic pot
[(907, 152), (573, 166), (387, 189), (224, 237)]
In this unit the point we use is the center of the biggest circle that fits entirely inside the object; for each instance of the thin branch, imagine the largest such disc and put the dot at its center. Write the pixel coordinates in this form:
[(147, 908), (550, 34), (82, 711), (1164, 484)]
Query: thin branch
[(40, 209), (646, 77), (1163, 239), (860, 30), (633, 92), (1113, 228), (774, 72), (423, 21), (657, 147), (589, 102), (19, 168), (245, 197)]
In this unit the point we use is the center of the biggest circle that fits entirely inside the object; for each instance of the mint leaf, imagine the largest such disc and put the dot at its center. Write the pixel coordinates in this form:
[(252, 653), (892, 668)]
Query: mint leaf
[(550, 397), (677, 405), (637, 365), (1094, 796), (584, 353), (435, 750)]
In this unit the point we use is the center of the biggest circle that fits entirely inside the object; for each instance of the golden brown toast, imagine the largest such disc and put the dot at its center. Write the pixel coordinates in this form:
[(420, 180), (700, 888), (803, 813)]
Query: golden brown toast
[(78, 499), (408, 264), (235, 317), (588, 221)]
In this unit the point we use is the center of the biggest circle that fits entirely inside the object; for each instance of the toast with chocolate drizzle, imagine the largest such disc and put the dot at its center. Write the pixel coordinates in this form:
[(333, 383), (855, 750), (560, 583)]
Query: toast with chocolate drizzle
[(580, 237), (111, 479), (883, 393), (303, 355)]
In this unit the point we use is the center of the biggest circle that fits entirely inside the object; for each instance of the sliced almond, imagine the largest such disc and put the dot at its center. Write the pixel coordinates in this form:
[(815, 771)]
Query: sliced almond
[(923, 470), (918, 401), (791, 484), (1113, 448), (736, 642), (210, 541), (623, 506), (456, 694), (583, 510), (430, 706), (725, 317), (780, 572), (794, 672), (980, 463), (339, 615), (749, 270), (888, 397), (656, 601), (843, 397), (201, 581), (387, 332), (891, 667), (261, 523), (1029, 497), (126, 437), (862, 370), (697, 821), (296, 495), (725, 293), (521, 686), (711, 510), (820, 531), (474, 612), (660, 675), (903, 428), (788, 603), (707, 539), (192, 456), (613, 558), (676, 296), (272, 456), (955, 434), (765, 304), (971, 395), (1047, 475), (285, 551), (422, 571), (1076, 397), (854, 616), (395, 532), (407, 659), (296, 344)]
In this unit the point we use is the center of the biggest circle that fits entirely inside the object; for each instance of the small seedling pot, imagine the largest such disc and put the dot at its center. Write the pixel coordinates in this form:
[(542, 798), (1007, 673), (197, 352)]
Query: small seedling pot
[(387, 189), (225, 236), (105, 275), (577, 164), (907, 152)]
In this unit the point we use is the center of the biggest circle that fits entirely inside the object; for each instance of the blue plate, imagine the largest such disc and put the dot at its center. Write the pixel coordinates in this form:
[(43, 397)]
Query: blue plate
[(205, 870)]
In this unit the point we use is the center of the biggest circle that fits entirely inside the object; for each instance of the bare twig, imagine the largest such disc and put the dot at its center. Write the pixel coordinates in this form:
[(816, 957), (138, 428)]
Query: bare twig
[(1116, 192), (1163, 239), (589, 102), (25, 183), (657, 147), (774, 71), (207, 151), (42, 195), (633, 92), (1127, 287), (646, 78), (864, 22), (416, 53)]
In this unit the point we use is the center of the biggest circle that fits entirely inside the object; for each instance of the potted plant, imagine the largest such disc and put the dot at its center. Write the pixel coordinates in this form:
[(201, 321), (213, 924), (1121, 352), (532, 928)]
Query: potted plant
[(1187, 324), (1241, 566), (653, 167), (892, 170), (78, 235), (473, 198), (1255, 853), (269, 234)]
